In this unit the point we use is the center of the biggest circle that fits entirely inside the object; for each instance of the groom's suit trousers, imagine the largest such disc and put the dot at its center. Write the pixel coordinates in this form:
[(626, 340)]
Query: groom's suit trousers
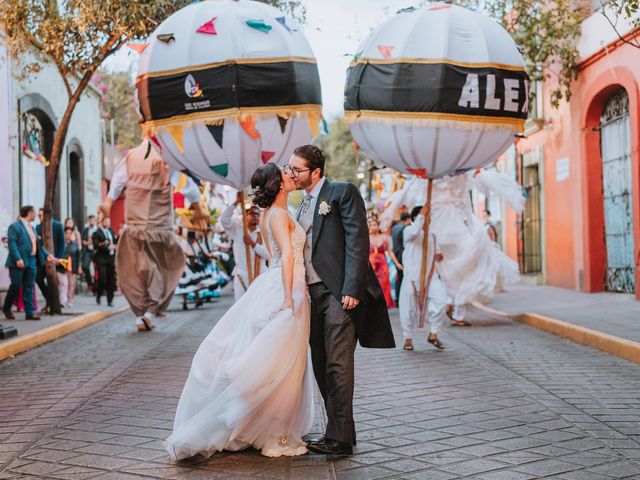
[(333, 343)]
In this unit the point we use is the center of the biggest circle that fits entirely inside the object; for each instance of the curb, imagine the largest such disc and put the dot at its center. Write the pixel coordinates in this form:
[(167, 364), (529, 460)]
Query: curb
[(35, 339), (620, 347)]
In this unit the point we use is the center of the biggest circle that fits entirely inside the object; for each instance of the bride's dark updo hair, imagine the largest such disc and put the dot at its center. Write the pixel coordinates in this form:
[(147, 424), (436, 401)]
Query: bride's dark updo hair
[(266, 182)]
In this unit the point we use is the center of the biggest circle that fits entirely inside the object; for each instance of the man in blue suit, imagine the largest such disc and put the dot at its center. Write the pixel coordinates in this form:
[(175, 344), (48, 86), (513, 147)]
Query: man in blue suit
[(22, 262)]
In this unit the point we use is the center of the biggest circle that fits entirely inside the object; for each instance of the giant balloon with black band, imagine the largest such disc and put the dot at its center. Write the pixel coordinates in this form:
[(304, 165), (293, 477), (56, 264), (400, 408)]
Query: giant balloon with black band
[(226, 86), (436, 91)]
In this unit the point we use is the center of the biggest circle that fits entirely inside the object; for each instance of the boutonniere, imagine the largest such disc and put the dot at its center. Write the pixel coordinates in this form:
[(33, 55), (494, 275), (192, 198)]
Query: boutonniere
[(324, 208)]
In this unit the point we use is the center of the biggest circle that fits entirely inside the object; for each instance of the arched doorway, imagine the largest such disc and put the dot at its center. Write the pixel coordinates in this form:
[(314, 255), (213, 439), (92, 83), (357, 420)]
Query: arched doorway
[(76, 184), (37, 129), (615, 149)]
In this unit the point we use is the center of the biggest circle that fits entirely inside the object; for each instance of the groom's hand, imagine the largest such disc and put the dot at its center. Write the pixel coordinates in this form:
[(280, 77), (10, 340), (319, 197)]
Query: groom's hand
[(349, 303)]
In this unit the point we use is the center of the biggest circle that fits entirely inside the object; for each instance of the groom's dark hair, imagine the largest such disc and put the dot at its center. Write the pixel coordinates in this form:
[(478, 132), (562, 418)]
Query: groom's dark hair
[(313, 155)]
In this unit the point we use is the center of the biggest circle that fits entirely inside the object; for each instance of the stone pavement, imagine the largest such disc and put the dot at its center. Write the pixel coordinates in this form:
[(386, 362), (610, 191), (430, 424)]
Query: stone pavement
[(503, 401), (613, 313)]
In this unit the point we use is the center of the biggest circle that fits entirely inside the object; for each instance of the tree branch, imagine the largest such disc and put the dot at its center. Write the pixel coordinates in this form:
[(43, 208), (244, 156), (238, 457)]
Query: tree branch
[(620, 36)]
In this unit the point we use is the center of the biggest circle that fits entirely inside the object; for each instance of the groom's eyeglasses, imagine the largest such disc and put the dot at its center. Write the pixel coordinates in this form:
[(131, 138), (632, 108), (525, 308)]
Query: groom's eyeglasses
[(294, 172)]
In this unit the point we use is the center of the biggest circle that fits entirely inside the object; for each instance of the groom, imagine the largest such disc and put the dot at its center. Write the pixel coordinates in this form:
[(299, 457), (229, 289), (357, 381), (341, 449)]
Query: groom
[(347, 303)]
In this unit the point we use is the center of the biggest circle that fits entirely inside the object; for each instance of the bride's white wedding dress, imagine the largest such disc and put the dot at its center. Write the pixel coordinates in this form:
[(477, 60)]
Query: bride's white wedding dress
[(250, 382)]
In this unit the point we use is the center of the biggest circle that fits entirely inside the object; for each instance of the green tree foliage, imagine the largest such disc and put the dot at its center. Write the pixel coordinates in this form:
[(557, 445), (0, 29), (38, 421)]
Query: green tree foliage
[(341, 156), (76, 36), (545, 32), (117, 102)]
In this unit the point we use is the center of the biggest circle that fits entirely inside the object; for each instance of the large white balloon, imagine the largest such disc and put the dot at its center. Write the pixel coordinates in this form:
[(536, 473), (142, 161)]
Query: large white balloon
[(226, 86), (436, 91)]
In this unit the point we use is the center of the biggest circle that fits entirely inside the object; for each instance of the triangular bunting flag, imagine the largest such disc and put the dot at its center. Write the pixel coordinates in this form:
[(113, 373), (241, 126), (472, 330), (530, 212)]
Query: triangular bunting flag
[(146, 155), (314, 120), (176, 133), (156, 142), (283, 123), (248, 124), (138, 47), (259, 25), (222, 170), (385, 50), (182, 181), (325, 127), (216, 132), (166, 37), (418, 172), (208, 27), (283, 21), (266, 156), (191, 176)]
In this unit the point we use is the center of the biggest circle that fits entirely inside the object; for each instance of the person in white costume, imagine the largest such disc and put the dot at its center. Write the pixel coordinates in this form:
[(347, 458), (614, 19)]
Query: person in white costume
[(410, 288), (473, 267), (233, 227), (250, 383)]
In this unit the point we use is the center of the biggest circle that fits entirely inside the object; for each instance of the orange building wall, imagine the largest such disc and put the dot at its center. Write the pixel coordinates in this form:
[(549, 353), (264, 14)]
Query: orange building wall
[(573, 222)]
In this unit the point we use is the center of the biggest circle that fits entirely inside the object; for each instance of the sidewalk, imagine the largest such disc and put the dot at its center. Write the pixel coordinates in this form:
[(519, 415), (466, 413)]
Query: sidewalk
[(607, 321), (32, 333)]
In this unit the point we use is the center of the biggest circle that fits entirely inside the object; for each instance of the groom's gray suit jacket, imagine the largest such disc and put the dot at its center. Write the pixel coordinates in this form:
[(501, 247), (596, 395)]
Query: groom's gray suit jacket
[(340, 256)]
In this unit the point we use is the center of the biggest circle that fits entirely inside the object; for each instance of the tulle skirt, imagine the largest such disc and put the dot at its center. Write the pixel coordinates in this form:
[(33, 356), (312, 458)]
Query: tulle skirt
[(473, 268), (250, 382)]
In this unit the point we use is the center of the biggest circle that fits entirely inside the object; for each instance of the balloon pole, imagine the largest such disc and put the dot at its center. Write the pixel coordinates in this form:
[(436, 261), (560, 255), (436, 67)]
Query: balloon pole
[(423, 266), (246, 247)]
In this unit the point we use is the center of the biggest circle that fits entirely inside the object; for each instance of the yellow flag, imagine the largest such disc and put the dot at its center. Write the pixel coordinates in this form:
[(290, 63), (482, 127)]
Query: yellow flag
[(176, 133), (314, 123), (182, 182)]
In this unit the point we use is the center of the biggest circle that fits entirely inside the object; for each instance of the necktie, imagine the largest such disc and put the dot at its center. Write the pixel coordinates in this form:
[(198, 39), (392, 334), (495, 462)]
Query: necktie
[(306, 203)]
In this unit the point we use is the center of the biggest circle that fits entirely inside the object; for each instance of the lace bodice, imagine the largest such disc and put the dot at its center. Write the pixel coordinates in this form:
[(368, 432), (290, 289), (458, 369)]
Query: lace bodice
[(298, 237)]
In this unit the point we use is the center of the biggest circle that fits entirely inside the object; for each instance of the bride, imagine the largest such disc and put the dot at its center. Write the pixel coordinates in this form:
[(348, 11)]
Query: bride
[(249, 384)]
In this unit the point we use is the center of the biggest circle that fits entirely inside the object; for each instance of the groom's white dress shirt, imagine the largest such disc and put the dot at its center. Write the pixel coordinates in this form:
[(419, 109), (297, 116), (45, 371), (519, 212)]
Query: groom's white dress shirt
[(305, 218)]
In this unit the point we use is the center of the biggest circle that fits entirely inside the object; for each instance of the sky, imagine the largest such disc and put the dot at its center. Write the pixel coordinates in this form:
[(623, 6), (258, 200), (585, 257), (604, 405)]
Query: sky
[(334, 29)]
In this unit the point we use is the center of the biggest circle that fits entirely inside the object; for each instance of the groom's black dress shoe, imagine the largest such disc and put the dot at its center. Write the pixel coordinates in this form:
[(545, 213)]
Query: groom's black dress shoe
[(330, 447), (320, 438)]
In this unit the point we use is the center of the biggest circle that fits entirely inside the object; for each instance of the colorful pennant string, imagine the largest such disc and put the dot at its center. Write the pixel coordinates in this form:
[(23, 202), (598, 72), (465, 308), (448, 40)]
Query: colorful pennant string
[(191, 176), (222, 169), (259, 24), (138, 47), (208, 27), (248, 124), (385, 50), (182, 181), (156, 142), (146, 155), (283, 123), (314, 123), (217, 132), (325, 127), (283, 21), (176, 133), (266, 156)]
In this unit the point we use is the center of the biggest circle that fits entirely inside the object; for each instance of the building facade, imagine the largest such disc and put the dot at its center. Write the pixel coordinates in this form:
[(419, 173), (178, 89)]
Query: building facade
[(30, 111), (579, 166)]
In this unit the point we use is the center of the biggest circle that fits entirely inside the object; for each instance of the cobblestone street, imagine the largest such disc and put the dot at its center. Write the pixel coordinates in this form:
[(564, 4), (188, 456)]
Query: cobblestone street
[(503, 401)]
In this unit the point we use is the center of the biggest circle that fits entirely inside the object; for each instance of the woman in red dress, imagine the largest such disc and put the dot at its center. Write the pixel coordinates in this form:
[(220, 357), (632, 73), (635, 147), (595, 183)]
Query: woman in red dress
[(379, 247)]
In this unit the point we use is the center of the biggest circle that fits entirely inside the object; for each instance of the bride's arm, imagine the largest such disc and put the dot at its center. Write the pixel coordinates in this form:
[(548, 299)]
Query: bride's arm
[(279, 223)]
